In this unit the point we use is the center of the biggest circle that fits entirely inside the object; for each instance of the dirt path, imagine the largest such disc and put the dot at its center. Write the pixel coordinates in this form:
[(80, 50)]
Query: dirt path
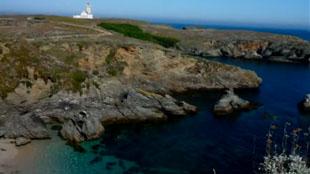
[(94, 28), (99, 33)]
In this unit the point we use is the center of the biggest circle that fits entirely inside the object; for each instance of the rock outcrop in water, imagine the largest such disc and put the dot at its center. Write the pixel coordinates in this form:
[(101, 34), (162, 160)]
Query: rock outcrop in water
[(82, 127), (83, 77), (305, 104), (230, 103)]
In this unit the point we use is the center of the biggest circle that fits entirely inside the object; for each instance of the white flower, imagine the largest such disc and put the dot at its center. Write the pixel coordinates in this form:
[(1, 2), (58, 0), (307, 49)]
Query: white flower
[(284, 164)]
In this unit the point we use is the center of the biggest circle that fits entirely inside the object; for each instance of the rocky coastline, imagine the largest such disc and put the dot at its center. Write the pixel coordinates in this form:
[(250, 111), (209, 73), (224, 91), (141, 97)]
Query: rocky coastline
[(76, 78), (275, 51), (87, 77), (238, 44)]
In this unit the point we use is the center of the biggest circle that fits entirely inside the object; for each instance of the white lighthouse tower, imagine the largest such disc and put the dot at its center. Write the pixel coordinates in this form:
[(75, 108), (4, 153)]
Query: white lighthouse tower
[(86, 14)]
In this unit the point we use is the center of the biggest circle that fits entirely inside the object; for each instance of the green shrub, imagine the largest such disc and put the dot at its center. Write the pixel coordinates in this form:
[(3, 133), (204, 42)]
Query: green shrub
[(116, 68), (39, 18), (136, 32), (70, 59), (77, 78), (111, 57)]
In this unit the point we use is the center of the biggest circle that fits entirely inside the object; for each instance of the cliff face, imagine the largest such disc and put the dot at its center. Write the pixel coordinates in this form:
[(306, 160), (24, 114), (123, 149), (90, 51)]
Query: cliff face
[(281, 51), (72, 73)]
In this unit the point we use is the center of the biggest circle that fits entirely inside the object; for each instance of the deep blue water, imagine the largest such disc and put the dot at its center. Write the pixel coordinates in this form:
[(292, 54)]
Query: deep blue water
[(194, 144), (301, 33), (200, 143)]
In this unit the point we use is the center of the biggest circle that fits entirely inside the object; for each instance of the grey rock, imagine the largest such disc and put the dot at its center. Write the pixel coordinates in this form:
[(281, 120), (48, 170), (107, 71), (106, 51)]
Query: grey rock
[(2, 133), (305, 104), (267, 53), (21, 141), (229, 103), (82, 127), (27, 125), (152, 103)]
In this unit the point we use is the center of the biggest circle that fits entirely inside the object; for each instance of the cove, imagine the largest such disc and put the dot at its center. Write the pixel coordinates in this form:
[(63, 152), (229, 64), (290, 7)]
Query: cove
[(194, 144)]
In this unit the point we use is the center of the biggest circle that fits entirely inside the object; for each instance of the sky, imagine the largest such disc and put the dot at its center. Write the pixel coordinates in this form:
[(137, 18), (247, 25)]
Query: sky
[(268, 13)]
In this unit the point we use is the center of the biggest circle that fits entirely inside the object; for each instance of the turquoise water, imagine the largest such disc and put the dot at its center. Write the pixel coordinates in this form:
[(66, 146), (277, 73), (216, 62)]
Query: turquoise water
[(194, 144)]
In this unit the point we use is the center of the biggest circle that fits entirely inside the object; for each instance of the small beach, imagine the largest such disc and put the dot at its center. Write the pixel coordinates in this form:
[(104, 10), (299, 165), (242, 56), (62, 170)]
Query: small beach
[(8, 152)]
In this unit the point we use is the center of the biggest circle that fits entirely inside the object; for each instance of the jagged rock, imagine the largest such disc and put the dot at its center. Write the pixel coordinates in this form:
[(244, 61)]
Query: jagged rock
[(82, 127), (230, 103), (166, 105), (305, 104), (27, 125), (21, 141), (176, 108)]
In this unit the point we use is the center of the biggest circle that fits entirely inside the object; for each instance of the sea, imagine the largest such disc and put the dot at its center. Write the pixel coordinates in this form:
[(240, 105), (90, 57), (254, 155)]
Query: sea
[(200, 143)]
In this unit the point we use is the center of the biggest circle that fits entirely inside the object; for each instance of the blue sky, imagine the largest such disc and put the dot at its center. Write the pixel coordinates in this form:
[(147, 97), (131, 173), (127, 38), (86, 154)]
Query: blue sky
[(268, 13)]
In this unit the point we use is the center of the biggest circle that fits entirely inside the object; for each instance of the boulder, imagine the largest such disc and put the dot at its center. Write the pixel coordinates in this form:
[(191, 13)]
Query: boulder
[(230, 103), (82, 127), (172, 107), (305, 104), (143, 102), (21, 141)]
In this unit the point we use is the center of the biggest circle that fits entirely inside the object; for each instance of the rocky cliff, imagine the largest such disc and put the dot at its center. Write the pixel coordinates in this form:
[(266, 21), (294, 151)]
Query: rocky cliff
[(57, 70), (238, 44)]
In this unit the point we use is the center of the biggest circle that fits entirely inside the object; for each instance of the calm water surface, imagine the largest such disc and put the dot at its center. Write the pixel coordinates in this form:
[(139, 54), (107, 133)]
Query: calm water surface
[(195, 144)]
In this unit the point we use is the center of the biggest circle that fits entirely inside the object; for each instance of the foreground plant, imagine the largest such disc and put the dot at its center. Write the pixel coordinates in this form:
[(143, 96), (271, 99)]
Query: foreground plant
[(294, 161), (285, 164)]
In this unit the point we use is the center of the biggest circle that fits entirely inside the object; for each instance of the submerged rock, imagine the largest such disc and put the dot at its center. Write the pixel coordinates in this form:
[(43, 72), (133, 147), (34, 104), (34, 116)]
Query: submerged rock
[(305, 104), (82, 127), (231, 103), (76, 147), (21, 141)]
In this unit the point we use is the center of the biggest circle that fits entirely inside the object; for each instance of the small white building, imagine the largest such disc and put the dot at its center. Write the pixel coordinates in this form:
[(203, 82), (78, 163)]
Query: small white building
[(86, 14)]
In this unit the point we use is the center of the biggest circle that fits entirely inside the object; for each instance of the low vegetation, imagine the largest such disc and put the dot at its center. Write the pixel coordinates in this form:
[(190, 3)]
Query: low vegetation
[(55, 63), (136, 32), (77, 78), (56, 66), (114, 67), (291, 156)]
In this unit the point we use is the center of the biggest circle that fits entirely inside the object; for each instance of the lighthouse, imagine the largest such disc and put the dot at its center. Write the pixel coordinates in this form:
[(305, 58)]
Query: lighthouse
[(86, 14)]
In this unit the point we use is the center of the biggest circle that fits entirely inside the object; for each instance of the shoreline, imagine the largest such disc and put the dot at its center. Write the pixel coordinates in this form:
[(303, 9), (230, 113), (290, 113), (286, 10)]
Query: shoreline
[(8, 154)]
